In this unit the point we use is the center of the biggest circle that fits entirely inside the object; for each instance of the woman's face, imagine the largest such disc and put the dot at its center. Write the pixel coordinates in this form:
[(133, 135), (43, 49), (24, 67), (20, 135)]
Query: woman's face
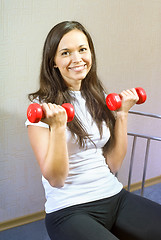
[(73, 58)]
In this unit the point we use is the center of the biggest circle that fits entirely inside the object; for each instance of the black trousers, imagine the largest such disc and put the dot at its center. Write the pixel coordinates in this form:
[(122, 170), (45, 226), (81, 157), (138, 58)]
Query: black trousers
[(124, 216)]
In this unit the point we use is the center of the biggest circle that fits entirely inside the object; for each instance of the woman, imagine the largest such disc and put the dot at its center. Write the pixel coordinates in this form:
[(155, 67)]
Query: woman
[(78, 159)]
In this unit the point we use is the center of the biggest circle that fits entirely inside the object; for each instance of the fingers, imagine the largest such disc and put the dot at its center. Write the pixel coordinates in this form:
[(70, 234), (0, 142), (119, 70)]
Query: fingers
[(54, 114), (51, 109), (128, 98), (129, 94)]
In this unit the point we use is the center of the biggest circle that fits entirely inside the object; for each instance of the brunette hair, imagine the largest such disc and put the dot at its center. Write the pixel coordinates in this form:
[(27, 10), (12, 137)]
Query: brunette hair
[(54, 89)]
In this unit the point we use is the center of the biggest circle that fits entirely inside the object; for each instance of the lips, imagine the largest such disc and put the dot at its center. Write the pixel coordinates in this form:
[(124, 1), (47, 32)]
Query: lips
[(78, 68)]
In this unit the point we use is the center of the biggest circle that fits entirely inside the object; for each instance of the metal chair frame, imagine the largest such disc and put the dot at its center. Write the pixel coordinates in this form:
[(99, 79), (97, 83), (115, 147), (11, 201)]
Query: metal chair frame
[(149, 138)]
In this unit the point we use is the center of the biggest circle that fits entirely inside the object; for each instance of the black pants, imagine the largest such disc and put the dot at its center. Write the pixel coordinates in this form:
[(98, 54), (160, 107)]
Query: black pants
[(124, 216)]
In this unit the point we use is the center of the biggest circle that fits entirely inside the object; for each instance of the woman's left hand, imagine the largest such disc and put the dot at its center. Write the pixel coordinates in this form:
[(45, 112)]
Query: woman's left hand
[(129, 98)]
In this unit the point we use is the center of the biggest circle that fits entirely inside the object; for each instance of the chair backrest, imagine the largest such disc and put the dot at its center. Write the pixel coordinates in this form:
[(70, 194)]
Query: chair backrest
[(148, 138)]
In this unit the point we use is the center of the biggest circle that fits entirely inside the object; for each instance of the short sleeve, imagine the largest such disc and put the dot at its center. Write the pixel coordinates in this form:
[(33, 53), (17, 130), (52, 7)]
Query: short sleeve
[(39, 124)]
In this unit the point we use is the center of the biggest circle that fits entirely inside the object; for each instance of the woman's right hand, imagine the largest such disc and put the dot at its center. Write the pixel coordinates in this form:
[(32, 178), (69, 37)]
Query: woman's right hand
[(55, 115)]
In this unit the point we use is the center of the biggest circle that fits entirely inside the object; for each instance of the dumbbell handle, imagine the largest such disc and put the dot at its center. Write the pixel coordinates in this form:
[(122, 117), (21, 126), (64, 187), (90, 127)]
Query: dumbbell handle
[(35, 112), (113, 100)]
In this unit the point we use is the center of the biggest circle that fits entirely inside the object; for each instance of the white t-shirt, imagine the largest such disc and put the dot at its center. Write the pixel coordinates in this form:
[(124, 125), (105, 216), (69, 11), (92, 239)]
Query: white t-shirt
[(89, 177)]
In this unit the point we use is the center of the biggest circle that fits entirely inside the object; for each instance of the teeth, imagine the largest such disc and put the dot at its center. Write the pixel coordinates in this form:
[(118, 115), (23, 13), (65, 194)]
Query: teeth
[(79, 68)]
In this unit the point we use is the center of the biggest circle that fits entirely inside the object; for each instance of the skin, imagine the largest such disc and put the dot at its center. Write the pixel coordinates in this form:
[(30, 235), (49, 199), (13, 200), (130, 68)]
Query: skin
[(116, 154), (73, 59)]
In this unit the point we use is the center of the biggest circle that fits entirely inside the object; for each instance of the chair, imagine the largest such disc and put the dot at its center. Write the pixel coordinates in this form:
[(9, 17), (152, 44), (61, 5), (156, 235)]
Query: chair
[(149, 138)]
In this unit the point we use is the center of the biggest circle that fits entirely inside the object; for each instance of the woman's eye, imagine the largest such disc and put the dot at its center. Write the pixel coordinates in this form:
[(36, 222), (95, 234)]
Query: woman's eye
[(83, 49), (66, 53)]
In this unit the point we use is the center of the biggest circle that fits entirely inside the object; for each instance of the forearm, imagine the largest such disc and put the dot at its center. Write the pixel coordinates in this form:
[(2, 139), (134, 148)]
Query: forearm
[(56, 162), (117, 152)]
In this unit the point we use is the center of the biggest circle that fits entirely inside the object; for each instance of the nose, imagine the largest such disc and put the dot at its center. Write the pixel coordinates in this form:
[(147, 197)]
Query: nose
[(76, 57)]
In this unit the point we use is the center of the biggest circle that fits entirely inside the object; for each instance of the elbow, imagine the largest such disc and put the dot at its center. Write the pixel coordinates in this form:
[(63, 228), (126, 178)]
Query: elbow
[(115, 170), (55, 178), (56, 183), (114, 164)]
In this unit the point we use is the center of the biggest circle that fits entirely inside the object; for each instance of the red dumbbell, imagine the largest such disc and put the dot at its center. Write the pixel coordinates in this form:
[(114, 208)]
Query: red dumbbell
[(113, 100), (35, 112)]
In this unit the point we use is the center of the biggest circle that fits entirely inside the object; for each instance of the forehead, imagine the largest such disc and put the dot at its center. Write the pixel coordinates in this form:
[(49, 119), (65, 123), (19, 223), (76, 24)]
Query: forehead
[(73, 38)]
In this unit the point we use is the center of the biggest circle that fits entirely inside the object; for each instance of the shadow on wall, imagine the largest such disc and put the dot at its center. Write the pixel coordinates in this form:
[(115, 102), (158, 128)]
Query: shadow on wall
[(20, 178)]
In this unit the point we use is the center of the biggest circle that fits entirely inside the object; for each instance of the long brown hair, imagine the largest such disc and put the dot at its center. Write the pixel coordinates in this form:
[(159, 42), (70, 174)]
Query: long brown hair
[(53, 88)]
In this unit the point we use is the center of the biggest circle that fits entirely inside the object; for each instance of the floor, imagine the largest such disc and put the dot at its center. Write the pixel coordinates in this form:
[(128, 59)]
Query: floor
[(37, 230)]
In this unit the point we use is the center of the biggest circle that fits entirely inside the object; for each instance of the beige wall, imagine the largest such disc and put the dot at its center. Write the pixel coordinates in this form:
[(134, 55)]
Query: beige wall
[(127, 36)]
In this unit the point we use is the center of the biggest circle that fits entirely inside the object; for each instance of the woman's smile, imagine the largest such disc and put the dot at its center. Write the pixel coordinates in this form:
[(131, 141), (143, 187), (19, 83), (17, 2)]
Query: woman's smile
[(78, 68)]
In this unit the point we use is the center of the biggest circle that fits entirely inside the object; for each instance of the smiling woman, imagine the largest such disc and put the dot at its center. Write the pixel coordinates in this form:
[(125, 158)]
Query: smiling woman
[(78, 159), (73, 58)]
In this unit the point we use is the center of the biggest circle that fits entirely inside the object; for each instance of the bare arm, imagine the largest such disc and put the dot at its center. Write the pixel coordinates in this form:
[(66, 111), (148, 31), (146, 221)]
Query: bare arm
[(49, 145), (116, 153)]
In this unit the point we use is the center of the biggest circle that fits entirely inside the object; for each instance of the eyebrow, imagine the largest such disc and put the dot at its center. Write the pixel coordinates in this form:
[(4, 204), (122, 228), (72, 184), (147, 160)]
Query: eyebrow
[(66, 49)]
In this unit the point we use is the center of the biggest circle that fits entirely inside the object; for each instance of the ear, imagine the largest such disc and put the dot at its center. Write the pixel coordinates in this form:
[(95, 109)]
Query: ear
[(55, 66)]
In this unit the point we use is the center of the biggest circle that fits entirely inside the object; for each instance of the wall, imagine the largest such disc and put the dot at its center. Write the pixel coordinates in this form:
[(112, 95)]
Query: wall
[(127, 37)]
